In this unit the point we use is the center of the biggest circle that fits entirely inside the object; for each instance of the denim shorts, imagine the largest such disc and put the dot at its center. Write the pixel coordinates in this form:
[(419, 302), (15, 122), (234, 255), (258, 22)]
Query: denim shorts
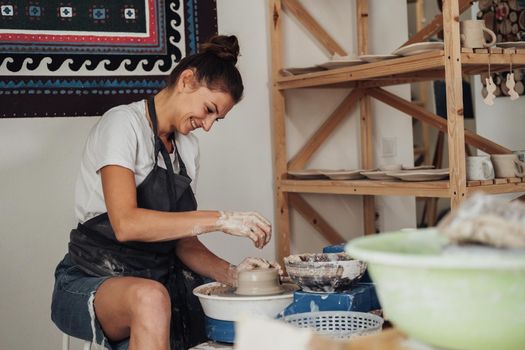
[(72, 305)]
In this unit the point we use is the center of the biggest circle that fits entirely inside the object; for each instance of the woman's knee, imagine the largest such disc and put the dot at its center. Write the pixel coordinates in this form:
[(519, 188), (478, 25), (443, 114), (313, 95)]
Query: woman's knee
[(150, 297)]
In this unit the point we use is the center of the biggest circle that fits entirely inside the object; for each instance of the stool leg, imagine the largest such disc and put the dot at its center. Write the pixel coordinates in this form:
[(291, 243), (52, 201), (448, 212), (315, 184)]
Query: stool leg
[(65, 341)]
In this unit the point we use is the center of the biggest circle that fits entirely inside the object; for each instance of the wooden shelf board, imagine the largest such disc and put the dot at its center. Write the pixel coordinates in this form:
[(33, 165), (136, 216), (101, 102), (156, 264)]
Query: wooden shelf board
[(425, 66), (367, 71), (509, 187), (396, 188), (368, 187)]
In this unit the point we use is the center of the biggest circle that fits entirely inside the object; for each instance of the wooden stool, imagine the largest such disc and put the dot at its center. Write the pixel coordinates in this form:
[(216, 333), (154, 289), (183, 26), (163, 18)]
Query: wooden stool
[(65, 343)]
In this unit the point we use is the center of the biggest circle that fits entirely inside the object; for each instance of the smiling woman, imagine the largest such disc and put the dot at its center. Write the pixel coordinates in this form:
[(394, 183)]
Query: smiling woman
[(134, 257)]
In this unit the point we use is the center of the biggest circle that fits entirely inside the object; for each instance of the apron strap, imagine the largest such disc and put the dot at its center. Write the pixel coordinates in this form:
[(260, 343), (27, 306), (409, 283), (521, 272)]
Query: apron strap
[(159, 146)]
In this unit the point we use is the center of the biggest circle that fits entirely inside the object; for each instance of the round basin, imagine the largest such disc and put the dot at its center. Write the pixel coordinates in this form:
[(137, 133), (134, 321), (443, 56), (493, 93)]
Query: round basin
[(465, 298)]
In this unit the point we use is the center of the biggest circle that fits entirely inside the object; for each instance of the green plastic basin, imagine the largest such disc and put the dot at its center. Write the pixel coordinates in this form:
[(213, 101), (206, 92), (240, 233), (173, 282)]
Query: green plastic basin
[(454, 299)]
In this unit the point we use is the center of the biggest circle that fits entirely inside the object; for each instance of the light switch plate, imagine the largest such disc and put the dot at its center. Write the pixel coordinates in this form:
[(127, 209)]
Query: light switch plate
[(388, 146)]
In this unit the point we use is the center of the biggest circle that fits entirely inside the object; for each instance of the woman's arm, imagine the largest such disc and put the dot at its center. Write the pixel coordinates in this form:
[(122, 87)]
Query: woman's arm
[(131, 223), (201, 260)]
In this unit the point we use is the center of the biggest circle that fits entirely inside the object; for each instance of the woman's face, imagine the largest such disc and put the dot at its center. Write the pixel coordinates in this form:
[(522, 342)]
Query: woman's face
[(200, 107)]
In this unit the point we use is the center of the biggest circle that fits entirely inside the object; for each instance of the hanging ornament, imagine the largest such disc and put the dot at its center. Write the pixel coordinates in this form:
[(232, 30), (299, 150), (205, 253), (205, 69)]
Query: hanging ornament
[(491, 87), (511, 83)]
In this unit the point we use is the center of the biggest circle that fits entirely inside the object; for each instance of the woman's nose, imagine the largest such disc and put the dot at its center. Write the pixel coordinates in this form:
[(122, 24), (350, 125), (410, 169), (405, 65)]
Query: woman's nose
[(208, 122)]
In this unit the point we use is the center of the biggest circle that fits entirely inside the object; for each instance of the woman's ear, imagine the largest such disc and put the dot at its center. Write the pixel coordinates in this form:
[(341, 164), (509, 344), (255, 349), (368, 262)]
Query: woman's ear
[(187, 81)]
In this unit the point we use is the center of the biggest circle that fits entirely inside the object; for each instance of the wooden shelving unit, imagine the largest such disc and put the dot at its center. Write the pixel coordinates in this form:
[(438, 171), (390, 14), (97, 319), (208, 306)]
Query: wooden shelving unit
[(367, 81)]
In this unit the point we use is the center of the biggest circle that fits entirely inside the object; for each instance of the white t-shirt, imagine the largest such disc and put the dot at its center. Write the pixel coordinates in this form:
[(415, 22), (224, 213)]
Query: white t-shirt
[(123, 137)]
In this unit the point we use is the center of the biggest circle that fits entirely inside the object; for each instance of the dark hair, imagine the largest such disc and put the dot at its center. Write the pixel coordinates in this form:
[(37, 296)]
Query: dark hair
[(214, 66)]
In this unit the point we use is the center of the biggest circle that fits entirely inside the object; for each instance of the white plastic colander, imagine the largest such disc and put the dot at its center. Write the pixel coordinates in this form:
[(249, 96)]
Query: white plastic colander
[(337, 324)]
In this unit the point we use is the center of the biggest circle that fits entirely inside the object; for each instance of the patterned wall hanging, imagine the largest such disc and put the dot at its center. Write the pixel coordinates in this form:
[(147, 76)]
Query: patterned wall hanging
[(81, 57), (506, 18)]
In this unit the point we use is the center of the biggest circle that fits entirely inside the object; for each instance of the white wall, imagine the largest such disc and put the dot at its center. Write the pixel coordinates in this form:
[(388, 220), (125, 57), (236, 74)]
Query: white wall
[(39, 159), (308, 108)]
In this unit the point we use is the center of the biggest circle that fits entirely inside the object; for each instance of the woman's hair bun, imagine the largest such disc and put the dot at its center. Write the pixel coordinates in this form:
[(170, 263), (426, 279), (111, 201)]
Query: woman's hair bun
[(225, 47)]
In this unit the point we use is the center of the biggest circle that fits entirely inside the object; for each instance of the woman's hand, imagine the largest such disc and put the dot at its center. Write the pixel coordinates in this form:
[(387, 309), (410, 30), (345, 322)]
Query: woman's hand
[(246, 224), (252, 264)]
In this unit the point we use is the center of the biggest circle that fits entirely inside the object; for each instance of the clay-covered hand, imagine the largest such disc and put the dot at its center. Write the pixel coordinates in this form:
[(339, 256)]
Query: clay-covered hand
[(252, 264), (258, 263), (246, 224)]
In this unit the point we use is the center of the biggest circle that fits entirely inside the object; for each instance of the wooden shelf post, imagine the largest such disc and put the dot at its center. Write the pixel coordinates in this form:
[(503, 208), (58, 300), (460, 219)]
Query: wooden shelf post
[(366, 121), (282, 211), (454, 91)]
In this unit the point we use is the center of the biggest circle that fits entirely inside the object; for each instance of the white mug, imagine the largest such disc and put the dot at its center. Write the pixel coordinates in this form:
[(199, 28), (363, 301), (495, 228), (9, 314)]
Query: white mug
[(473, 34), (507, 165), (479, 168)]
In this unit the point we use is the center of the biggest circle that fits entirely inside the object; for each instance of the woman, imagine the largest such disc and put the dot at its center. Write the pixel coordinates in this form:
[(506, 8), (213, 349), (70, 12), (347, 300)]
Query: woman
[(134, 258)]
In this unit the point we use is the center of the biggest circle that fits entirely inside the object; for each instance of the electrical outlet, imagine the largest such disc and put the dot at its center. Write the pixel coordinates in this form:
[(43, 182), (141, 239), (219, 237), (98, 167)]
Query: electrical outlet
[(389, 146)]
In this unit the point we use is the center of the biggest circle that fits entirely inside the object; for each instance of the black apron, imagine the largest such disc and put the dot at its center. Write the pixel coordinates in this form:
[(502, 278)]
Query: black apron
[(94, 247)]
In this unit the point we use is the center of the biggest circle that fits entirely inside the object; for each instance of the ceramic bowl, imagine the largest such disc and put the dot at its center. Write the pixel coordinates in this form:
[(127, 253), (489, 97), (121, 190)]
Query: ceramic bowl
[(327, 272), (258, 282), (469, 298)]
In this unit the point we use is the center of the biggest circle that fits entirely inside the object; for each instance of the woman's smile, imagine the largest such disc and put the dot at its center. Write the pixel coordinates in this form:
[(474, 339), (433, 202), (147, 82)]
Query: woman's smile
[(193, 123)]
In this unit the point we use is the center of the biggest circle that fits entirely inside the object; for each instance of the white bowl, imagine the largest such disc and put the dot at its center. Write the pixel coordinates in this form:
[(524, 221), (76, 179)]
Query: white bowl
[(219, 302)]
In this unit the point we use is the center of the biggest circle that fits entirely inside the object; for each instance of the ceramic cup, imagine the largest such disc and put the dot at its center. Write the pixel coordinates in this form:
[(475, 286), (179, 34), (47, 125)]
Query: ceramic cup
[(520, 154), (258, 282), (473, 34), (479, 168), (507, 165)]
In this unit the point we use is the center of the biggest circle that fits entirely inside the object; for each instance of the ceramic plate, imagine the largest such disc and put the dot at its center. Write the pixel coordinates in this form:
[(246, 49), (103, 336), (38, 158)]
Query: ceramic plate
[(420, 175), (378, 175), (511, 44), (341, 61), (343, 174), (376, 58), (419, 167), (417, 48), (307, 174), (302, 70)]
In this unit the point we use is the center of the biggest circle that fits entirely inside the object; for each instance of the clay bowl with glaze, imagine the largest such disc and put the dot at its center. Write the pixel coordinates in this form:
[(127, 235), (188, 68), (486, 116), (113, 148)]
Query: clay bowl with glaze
[(325, 273)]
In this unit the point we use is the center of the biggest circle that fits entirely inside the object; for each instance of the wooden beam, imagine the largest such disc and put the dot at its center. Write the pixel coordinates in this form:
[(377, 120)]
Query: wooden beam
[(294, 7), (435, 26), (454, 91), (342, 111), (314, 219), (279, 134), (425, 116)]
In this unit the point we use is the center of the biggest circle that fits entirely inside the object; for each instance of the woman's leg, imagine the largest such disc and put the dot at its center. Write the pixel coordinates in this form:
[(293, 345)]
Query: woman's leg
[(137, 308)]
